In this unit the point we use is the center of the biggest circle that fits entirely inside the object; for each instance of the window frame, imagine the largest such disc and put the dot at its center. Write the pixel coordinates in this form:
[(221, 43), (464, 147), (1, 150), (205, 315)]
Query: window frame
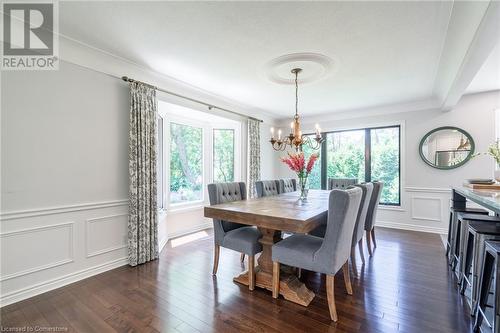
[(213, 150), (167, 154), (207, 127), (368, 148)]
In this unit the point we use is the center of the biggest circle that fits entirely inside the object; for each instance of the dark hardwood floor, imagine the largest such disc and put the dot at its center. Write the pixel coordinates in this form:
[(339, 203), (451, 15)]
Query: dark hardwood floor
[(405, 287)]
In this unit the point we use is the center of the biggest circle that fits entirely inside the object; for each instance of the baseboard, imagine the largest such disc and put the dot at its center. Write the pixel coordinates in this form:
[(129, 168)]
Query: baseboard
[(162, 243), (45, 286), (411, 227), (195, 228)]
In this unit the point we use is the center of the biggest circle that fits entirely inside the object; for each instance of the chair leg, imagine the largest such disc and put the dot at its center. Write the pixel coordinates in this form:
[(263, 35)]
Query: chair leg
[(373, 238), (347, 278), (330, 293), (353, 260), (361, 252), (242, 257), (216, 259), (299, 272), (276, 279), (251, 272), (368, 245)]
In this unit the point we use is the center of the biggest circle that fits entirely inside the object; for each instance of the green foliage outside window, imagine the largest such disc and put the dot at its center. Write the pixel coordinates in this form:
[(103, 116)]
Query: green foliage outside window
[(186, 158), (223, 162), (385, 162), (346, 155)]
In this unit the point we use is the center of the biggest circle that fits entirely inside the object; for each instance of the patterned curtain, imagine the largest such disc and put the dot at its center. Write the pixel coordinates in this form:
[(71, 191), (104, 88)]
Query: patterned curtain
[(253, 155), (143, 220)]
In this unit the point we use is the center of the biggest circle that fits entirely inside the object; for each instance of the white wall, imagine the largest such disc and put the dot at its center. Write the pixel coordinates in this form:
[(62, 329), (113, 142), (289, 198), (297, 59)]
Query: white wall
[(64, 172), (425, 190)]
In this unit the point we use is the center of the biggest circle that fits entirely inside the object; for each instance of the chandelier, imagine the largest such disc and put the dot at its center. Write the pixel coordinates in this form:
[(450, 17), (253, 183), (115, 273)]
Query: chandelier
[(296, 139)]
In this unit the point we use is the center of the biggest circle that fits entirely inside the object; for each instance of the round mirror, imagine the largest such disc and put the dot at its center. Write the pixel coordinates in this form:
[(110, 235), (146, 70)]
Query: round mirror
[(446, 147)]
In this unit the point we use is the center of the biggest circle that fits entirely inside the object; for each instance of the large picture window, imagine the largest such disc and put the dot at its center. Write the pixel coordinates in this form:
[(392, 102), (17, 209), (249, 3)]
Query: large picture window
[(223, 156), (186, 163), (367, 154)]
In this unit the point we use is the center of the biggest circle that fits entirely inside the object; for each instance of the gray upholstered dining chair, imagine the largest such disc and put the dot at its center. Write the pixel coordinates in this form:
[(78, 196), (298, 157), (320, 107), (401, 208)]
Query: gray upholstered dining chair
[(323, 255), (341, 183), (288, 185), (371, 215), (357, 237), (266, 188), (234, 236)]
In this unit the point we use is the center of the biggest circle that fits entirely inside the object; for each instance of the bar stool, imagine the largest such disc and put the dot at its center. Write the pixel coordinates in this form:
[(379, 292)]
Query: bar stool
[(452, 229), (480, 229), (457, 231), (488, 307)]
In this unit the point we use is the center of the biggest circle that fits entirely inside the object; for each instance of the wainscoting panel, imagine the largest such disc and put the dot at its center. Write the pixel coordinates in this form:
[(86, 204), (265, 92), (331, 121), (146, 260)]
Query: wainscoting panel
[(423, 209), (44, 249), (106, 234), (28, 251), (426, 208)]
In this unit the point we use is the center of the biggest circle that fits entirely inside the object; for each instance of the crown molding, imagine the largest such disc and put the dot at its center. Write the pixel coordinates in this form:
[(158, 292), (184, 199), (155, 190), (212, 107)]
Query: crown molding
[(89, 57)]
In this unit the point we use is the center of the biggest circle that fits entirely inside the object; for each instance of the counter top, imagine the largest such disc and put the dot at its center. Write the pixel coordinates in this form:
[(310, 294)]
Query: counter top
[(489, 199)]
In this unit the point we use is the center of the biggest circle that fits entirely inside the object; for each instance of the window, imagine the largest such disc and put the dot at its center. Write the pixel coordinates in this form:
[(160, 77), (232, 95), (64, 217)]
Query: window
[(194, 149), (367, 154), (385, 162), (223, 155), (186, 163), (314, 179), (346, 154)]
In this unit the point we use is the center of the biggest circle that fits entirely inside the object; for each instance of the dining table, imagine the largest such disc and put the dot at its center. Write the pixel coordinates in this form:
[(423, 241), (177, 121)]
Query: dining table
[(273, 215)]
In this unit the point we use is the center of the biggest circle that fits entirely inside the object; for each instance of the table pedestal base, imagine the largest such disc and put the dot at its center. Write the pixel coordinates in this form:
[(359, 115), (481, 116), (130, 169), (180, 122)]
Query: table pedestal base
[(290, 286)]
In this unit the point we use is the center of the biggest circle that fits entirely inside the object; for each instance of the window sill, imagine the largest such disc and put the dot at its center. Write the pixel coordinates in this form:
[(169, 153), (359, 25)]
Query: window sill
[(392, 208), (182, 209)]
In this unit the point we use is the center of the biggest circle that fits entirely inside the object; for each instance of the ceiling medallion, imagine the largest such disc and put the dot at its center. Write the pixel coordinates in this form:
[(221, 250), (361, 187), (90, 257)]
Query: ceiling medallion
[(315, 67)]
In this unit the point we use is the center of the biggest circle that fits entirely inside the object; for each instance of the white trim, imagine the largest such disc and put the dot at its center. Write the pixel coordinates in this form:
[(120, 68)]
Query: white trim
[(428, 189), (196, 228), (70, 259), (414, 217), (391, 208), (61, 209), (58, 282), (181, 210), (411, 227), (88, 222)]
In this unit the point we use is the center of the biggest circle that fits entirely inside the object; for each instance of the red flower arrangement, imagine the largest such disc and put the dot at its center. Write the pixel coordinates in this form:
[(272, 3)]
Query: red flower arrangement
[(297, 163)]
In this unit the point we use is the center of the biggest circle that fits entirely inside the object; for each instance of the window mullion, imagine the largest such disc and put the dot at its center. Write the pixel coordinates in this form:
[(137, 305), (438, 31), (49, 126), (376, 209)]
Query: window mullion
[(368, 155)]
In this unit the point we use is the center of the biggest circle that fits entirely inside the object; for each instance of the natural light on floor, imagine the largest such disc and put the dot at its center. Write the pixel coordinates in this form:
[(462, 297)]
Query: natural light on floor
[(189, 238)]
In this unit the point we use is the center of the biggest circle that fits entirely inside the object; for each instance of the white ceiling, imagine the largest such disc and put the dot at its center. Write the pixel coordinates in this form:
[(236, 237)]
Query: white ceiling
[(384, 52), (488, 77)]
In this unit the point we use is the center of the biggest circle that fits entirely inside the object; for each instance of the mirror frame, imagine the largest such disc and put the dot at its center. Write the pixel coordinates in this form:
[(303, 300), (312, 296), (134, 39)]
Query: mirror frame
[(472, 147)]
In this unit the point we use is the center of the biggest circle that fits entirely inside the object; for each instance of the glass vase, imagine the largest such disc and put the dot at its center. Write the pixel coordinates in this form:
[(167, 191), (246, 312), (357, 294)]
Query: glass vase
[(303, 188)]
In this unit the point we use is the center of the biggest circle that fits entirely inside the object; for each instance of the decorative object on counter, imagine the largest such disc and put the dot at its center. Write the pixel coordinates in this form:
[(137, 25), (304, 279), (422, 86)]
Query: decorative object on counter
[(296, 139), (446, 147), (297, 163), (494, 151)]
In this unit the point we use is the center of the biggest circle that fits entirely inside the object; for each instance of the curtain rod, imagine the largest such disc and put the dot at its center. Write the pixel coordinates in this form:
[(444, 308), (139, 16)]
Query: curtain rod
[(210, 106)]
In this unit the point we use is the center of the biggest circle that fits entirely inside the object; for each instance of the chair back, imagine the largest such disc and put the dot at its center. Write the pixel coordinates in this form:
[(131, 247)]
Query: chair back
[(266, 188), (288, 185), (341, 183), (367, 189), (225, 192), (371, 215), (336, 247)]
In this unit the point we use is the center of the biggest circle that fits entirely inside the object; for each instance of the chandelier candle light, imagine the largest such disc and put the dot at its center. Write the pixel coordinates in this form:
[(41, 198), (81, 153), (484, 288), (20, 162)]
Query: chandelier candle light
[(297, 163), (296, 139)]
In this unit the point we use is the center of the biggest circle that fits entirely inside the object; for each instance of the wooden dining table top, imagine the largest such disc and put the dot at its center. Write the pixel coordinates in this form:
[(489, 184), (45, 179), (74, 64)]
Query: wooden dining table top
[(283, 212)]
